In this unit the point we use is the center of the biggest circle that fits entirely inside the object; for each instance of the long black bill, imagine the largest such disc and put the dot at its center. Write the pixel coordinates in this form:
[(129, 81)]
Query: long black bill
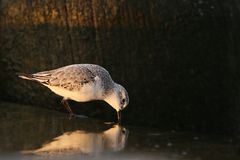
[(119, 116)]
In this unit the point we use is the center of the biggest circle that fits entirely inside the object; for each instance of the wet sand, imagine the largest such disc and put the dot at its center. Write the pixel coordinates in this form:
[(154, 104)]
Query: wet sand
[(28, 132)]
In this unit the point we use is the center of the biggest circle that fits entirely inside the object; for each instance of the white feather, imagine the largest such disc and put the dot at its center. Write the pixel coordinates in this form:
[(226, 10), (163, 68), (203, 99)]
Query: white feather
[(89, 91)]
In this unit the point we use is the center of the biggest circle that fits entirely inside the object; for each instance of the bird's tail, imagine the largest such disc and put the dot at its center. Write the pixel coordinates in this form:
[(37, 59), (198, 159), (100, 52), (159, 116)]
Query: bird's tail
[(39, 77), (26, 76)]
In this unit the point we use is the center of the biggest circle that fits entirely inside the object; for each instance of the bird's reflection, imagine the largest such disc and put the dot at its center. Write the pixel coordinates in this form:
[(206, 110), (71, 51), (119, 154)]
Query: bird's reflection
[(113, 139)]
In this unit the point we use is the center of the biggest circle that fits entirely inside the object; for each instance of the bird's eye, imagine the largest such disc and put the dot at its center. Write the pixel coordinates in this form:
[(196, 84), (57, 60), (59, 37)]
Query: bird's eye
[(123, 101)]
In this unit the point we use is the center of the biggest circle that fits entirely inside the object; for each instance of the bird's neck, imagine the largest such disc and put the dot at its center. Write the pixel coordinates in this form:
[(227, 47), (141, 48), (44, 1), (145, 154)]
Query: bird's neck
[(113, 99)]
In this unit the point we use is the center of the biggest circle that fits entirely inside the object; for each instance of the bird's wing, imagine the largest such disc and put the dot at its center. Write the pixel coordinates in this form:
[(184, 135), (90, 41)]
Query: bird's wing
[(70, 77)]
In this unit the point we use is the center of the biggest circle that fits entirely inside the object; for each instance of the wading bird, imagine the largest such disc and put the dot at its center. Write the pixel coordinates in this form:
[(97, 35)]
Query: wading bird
[(82, 83)]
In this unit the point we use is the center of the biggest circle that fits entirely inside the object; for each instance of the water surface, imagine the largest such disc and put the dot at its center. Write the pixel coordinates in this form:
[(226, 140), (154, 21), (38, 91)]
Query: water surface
[(28, 132)]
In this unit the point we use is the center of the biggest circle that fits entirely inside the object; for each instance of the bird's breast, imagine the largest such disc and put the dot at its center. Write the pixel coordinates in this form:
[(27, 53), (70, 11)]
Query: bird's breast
[(88, 92)]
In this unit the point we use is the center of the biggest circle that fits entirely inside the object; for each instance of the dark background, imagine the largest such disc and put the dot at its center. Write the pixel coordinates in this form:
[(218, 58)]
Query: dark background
[(178, 59)]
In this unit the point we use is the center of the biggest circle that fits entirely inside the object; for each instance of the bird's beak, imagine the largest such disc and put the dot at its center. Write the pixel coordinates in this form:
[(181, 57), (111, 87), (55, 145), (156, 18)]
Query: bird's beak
[(119, 116)]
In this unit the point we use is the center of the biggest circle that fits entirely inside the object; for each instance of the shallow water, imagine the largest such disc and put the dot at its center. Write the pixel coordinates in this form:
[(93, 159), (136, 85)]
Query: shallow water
[(33, 133)]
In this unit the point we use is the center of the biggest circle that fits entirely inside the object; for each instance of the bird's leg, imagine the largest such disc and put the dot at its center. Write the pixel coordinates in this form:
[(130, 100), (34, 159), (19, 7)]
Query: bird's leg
[(66, 105), (119, 116)]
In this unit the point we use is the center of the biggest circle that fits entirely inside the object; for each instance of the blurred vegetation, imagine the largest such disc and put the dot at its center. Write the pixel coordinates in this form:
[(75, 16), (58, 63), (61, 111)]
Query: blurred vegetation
[(178, 59)]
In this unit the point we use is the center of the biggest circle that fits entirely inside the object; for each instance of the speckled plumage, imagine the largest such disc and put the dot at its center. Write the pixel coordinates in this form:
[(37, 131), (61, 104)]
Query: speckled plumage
[(74, 77)]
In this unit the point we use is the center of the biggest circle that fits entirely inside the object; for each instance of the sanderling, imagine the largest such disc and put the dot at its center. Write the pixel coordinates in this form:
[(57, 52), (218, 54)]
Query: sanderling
[(82, 83)]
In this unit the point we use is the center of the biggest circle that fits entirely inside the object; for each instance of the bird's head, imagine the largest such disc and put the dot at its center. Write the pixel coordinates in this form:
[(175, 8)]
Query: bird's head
[(118, 99)]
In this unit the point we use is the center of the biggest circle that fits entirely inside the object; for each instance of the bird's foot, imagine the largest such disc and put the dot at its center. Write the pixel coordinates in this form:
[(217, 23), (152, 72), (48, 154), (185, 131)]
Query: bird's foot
[(80, 116), (71, 116)]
